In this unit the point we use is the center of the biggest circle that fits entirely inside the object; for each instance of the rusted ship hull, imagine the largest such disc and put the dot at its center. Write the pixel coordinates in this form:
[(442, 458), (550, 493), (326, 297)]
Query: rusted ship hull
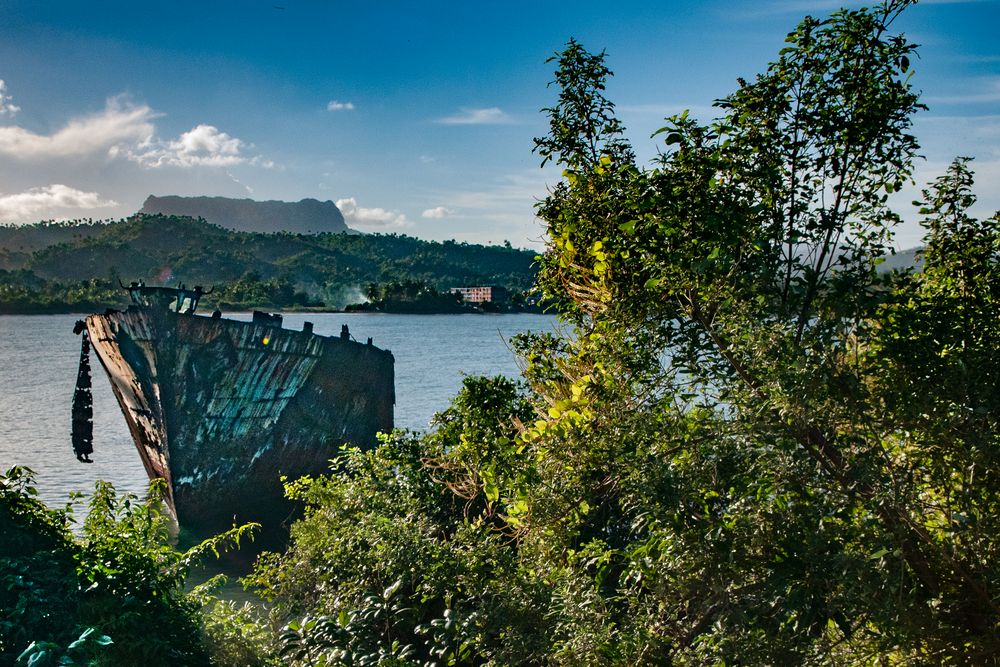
[(222, 409)]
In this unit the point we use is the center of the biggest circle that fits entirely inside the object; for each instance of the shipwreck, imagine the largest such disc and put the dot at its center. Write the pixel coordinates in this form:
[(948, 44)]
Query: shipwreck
[(222, 409)]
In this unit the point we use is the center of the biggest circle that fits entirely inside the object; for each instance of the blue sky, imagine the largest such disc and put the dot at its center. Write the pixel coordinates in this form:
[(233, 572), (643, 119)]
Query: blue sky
[(416, 118)]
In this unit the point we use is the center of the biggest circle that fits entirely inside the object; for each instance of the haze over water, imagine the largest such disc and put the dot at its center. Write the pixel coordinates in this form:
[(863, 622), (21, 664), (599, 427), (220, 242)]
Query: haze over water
[(38, 366)]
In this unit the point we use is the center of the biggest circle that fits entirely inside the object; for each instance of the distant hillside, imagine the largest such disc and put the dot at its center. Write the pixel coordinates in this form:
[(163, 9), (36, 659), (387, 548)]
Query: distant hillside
[(904, 259), (308, 216), (17, 242), (252, 268)]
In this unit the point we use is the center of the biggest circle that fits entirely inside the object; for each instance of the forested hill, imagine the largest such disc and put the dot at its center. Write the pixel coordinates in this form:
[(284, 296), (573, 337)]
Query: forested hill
[(258, 269)]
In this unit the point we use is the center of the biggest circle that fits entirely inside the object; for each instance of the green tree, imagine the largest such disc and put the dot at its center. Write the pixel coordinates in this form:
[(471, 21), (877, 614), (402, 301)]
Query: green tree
[(723, 413), (398, 559), (112, 595), (751, 447)]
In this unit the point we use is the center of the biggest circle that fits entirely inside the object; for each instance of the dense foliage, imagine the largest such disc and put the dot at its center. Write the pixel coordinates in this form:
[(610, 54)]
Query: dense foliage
[(408, 296), (111, 595), (420, 296), (21, 291), (53, 267), (751, 447), (399, 555)]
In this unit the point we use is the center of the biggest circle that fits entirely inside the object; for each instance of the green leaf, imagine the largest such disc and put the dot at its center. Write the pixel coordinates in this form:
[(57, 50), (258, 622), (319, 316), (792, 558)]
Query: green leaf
[(26, 652), (391, 591), (490, 488)]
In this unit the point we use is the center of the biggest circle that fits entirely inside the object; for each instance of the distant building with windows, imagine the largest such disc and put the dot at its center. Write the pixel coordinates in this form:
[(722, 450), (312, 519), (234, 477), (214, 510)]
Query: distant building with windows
[(487, 294)]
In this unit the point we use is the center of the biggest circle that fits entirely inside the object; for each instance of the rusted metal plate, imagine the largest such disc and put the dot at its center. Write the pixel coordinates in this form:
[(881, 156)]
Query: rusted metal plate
[(222, 409)]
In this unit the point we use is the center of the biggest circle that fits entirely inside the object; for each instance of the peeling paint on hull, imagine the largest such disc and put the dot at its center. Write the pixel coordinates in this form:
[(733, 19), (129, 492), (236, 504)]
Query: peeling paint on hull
[(222, 415)]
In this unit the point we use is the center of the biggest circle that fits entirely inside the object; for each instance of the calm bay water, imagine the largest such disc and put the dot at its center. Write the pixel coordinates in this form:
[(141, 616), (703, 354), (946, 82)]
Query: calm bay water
[(38, 364)]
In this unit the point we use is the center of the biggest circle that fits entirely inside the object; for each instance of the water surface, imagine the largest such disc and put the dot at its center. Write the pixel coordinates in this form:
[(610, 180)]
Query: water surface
[(38, 364)]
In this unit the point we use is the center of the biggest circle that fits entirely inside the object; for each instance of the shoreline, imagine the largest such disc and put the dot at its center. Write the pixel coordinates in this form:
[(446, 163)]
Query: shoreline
[(321, 311)]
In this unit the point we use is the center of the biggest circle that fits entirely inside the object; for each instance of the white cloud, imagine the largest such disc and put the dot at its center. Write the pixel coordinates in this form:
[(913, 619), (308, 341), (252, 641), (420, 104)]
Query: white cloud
[(127, 130), (976, 59), (202, 146), (7, 106), (519, 190), (240, 183), (44, 202), (475, 116), (437, 212), (501, 208), (370, 217), (950, 135), (987, 171), (119, 124), (334, 105), (986, 90)]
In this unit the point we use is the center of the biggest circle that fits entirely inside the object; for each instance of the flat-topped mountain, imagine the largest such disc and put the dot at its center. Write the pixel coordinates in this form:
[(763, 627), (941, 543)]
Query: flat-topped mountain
[(308, 216)]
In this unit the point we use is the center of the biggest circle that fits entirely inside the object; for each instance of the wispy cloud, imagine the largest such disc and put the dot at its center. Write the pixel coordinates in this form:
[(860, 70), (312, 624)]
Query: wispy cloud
[(521, 190), (119, 123), (7, 106), (978, 59), (945, 136), (477, 116), (502, 208), (987, 172), (374, 218), (25, 206), (202, 146), (986, 90), (758, 10), (971, 98), (334, 105), (239, 183), (436, 213)]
